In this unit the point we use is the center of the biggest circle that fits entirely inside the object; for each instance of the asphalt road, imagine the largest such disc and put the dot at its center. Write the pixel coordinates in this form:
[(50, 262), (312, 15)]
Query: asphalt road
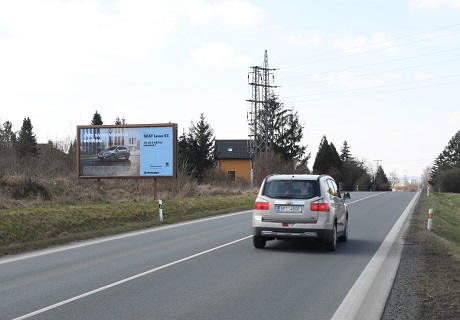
[(205, 269)]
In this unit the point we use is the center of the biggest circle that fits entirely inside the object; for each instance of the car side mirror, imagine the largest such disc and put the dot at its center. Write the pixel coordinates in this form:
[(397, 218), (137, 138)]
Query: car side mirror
[(347, 195)]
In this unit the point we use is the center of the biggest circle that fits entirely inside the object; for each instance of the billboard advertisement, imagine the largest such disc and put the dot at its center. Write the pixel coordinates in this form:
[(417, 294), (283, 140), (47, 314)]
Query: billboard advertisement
[(127, 151)]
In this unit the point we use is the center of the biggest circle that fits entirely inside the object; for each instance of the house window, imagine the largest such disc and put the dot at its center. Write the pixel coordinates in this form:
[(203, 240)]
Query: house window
[(231, 175)]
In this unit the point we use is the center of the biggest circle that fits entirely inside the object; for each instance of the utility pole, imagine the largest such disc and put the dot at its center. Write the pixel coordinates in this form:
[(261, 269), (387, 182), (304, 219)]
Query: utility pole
[(378, 163), (260, 116), (375, 174)]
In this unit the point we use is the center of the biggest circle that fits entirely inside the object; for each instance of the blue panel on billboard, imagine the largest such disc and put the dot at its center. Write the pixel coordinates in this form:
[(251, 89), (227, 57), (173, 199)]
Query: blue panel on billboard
[(156, 151)]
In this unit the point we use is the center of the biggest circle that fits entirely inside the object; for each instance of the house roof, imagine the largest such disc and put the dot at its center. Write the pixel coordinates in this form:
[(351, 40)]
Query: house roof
[(232, 149), (47, 147)]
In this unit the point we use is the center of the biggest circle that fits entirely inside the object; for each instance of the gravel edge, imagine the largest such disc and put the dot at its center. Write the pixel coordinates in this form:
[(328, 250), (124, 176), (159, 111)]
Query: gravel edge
[(404, 301)]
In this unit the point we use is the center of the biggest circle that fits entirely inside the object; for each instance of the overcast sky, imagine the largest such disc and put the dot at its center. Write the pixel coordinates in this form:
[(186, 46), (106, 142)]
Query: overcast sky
[(382, 75)]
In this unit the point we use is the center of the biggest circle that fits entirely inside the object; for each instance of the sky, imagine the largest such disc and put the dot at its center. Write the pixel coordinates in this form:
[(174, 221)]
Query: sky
[(382, 75)]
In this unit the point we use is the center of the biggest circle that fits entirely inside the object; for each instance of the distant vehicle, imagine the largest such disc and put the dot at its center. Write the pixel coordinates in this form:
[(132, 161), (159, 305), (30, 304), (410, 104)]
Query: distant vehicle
[(114, 153), (300, 206)]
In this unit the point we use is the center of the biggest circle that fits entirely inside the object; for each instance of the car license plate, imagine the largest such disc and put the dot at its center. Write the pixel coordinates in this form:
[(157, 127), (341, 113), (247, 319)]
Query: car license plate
[(289, 209)]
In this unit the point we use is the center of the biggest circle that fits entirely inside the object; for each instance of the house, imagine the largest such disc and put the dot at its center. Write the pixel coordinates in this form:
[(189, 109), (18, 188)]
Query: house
[(233, 158), (49, 148)]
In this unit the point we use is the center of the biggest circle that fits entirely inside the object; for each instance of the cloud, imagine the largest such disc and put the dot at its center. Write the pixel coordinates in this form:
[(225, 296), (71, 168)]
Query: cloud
[(423, 75), (130, 29), (433, 4), (233, 14), (219, 55), (198, 11), (454, 117), (239, 14), (299, 40), (138, 26), (360, 44), (41, 46), (278, 28)]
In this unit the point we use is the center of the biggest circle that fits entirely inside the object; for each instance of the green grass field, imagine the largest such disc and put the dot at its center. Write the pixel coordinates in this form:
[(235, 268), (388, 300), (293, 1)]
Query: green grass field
[(439, 283), (37, 226)]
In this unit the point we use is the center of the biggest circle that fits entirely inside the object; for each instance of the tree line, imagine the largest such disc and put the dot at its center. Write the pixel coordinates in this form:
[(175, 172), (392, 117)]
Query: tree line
[(24, 142), (445, 171), (197, 157)]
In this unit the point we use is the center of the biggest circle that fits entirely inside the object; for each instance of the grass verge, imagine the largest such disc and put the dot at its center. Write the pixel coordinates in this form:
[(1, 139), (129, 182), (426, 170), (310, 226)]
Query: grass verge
[(439, 284), (42, 225)]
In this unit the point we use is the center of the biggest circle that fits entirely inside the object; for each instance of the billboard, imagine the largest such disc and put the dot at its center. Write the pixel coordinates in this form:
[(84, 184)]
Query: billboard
[(127, 151)]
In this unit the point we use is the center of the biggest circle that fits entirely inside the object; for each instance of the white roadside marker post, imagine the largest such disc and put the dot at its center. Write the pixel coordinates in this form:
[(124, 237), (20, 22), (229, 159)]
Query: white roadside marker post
[(430, 219), (160, 207)]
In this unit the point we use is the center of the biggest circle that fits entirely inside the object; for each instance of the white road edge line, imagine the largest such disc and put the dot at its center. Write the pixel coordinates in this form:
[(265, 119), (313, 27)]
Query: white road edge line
[(128, 279), (86, 243), (374, 195), (354, 299)]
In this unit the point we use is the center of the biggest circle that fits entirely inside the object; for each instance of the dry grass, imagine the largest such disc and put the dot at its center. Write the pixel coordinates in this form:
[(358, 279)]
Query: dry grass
[(42, 203), (20, 190)]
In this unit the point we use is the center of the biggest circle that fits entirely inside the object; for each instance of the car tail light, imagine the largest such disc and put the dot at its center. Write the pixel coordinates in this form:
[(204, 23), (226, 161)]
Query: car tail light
[(319, 205), (261, 204)]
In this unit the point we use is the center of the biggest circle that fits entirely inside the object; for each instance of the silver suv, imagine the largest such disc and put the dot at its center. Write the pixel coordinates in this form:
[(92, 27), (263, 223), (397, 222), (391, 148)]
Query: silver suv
[(114, 153), (299, 206)]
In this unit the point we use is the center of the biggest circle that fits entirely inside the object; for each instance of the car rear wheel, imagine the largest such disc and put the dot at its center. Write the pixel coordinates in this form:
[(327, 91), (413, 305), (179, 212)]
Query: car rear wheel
[(259, 242), (344, 236), (331, 245)]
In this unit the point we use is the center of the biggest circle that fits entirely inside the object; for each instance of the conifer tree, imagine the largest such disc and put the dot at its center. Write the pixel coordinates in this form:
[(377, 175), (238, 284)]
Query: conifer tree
[(282, 130), (287, 136), (26, 144), (327, 158), (447, 160), (196, 149), (73, 149), (7, 136), (345, 154), (353, 173), (381, 181), (97, 119), (119, 121), (335, 158)]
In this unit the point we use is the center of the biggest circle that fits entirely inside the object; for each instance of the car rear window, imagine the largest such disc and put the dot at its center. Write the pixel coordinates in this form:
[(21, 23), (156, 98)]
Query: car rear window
[(291, 189)]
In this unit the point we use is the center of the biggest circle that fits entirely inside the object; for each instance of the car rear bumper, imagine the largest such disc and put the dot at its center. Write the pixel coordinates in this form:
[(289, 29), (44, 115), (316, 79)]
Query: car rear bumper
[(291, 233)]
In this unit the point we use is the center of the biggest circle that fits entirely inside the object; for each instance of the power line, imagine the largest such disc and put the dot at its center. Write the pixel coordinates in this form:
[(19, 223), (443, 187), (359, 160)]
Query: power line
[(370, 74), (371, 44), (375, 87), (359, 53), (372, 93), (369, 65), (405, 161)]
